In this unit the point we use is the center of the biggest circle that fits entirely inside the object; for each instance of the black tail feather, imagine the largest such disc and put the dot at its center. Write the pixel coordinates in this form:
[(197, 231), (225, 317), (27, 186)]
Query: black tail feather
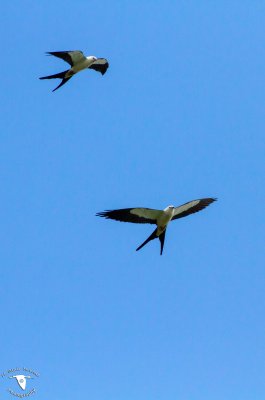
[(162, 240), (62, 83), (151, 237), (60, 75)]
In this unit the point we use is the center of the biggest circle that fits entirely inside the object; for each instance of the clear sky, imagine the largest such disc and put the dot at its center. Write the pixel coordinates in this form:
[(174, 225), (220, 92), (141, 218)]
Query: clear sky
[(179, 115)]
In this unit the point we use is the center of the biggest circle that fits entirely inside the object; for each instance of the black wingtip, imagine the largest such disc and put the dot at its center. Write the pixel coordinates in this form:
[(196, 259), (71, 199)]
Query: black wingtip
[(105, 70), (210, 200), (102, 214)]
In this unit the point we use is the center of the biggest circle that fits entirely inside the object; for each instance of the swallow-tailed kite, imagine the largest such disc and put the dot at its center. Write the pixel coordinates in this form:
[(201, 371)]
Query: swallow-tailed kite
[(78, 62), (160, 218)]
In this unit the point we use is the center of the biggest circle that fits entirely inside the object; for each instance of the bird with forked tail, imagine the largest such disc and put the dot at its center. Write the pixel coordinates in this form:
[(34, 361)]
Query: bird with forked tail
[(160, 218), (78, 62)]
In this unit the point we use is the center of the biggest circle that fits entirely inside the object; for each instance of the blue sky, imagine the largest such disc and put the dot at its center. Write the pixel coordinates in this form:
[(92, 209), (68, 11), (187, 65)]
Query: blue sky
[(178, 116)]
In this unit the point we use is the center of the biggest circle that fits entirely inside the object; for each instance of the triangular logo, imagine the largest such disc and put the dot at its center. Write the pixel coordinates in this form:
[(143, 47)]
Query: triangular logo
[(21, 380)]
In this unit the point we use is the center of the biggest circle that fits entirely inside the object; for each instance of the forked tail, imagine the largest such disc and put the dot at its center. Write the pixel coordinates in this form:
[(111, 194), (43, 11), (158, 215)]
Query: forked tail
[(60, 75), (151, 237), (154, 236), (162, 240)]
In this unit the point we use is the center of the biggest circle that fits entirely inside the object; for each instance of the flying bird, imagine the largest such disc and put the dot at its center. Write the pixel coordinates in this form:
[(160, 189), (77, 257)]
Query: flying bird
[(78, 62), (160, 218)]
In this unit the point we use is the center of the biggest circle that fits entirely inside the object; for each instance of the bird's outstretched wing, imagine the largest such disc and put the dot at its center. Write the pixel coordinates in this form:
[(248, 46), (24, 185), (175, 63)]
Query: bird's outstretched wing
[(192, 207), (100, 65), (71, 56), (135, 215)]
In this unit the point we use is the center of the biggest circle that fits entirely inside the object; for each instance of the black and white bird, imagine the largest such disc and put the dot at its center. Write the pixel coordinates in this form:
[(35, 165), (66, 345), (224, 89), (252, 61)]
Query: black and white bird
[(160, 218), (78, 62)]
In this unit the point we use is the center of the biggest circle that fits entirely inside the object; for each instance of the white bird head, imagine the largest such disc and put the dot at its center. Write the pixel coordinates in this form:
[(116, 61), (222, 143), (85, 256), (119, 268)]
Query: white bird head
[(169, 208), (92, 58), (21, 380)]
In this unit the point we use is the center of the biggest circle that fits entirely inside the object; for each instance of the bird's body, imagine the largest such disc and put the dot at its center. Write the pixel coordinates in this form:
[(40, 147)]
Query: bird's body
[(164, 219), (78, 62), (82, 64), (160, 218)]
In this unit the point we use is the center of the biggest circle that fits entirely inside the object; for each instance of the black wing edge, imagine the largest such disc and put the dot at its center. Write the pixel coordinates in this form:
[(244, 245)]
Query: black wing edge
[(104, 214), (60, 52), (124, 215), (200, 206), (102, 68), (63, 55)]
